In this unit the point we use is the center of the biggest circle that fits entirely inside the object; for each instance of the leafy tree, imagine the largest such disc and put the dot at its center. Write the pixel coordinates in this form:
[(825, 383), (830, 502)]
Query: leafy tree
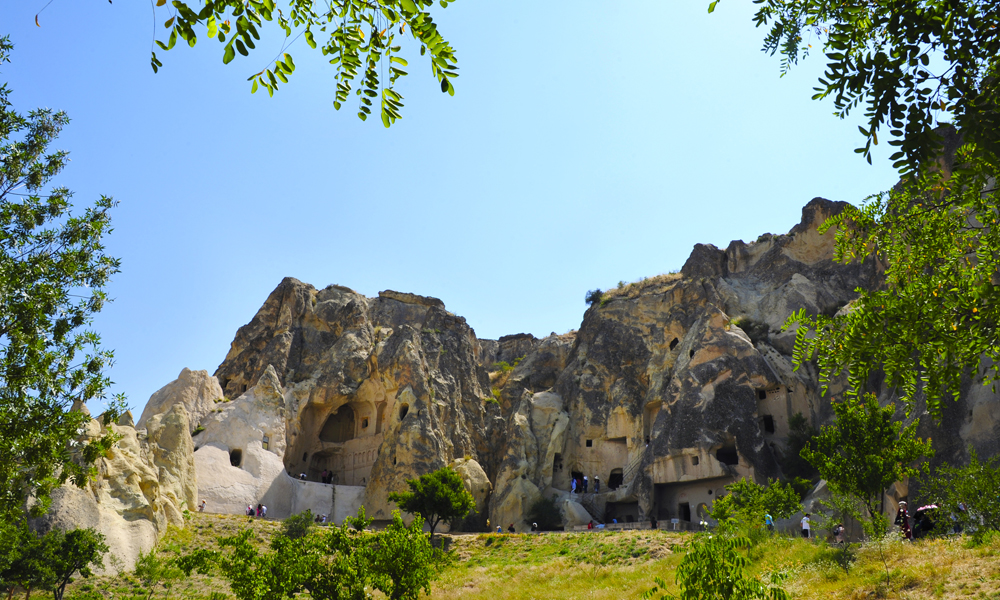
[(402, 560), (438, 496), (360, 41), (715, 566), (879, 54), (151, 570), (297, 526), (66, 553), (969, 493), (594, 297), (935, 319), (864, 452), (337, 563), (546, 513), (747, 502), (52, 273), (23, 560)]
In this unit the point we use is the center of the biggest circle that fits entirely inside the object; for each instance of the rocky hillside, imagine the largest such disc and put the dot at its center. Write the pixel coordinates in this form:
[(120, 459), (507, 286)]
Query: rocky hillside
[(672, 387)]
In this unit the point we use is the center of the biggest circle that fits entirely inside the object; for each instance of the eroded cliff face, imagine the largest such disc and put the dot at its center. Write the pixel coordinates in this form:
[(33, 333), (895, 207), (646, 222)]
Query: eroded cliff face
[(376, 390), (143, 485), (672, 387)]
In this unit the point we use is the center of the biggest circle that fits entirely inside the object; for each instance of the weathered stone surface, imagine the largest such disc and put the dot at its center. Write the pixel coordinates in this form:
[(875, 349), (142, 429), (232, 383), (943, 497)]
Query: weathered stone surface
[(143, 485), (197, 391), (671, 388)]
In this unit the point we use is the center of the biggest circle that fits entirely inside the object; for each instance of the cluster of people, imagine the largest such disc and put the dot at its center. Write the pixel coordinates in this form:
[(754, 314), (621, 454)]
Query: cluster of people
[(326, 476), (260, 511), (579, 485), (321, 519)]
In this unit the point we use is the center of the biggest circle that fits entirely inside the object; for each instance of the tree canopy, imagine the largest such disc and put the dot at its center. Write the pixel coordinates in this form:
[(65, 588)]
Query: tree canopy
[(358, 37), (438, 496), (53, 269), (865, 451)]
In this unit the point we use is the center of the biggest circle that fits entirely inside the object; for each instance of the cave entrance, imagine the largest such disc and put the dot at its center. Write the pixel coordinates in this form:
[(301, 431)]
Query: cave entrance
[(236, 457), (339, 426), (379, 417), (578, 476), (684, 511), (616, 479)]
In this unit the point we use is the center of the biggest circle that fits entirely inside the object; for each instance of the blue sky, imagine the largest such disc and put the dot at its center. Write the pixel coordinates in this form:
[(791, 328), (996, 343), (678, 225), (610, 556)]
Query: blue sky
[(588, 142)]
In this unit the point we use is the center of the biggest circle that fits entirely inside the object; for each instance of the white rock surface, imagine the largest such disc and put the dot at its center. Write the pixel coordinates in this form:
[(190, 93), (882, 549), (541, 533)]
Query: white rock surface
[(197, 391)]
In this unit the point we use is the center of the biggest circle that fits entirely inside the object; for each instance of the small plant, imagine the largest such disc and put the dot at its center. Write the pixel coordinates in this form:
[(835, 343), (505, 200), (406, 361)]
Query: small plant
[(197, 430), (621, 284), (595, 297), (757, 331)]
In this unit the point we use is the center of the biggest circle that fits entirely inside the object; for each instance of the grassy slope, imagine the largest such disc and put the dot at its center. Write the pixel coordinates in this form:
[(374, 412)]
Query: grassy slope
[(604, 565)]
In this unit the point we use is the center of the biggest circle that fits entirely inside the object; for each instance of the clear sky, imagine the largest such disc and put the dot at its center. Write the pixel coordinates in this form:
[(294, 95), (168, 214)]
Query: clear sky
[(588, 142)]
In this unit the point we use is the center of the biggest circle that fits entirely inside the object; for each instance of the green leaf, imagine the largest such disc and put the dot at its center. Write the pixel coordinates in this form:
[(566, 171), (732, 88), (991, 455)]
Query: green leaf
[(241, 48), (398, 60), (228, 54), (253, 88), (408, 6), (310, 39), (213, 29), (711, 7)]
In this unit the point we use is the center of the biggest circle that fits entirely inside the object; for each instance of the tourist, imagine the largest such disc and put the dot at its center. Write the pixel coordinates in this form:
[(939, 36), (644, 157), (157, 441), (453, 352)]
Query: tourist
[(499, 529), (597, 484), (511, 529), (804, 523), (201, 507), (263, 513), (302, 476), (572, 485), (903, 520), (250, 510), (534, 526), (590, 525), (652, 522), (769, 521), (258, 510), (584, 484), (323, 520), (838, 533)]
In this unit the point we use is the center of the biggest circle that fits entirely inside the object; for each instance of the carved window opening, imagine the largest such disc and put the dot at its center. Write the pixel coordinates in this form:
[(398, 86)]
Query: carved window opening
[(339, 426), (557, 463), (364, 423), (691, 355), (694, 460), (590, 443), (727, 455), (762, 394), (673, 344), (403, 410), (236, 457), (305, 455), (379, 417), (684, 511)]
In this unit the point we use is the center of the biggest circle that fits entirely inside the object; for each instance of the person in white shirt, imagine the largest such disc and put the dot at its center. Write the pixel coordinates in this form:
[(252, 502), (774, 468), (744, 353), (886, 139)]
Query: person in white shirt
[(805, 526)]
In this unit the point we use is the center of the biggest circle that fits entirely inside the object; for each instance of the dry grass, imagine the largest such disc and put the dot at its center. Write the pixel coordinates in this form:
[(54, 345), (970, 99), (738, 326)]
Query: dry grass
[(645, 285)]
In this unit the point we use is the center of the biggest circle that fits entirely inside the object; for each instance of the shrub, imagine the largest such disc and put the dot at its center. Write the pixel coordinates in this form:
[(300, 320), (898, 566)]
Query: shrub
[(297, 526), (594, 297)]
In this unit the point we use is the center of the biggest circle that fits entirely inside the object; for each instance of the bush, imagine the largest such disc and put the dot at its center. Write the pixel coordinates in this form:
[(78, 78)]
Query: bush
[(546, 513), (594, 297), (967, 496), (297, 526)]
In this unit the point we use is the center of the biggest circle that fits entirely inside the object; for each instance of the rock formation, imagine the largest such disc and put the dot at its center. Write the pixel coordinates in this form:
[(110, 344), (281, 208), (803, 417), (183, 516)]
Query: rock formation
[(672, 387), (143, 486)]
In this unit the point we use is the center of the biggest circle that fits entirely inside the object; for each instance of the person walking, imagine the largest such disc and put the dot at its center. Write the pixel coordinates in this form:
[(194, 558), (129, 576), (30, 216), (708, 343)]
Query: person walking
[(805, 523), (769, 522), (903, 520), (838, 533), (572, 485), (511, 529), (263, 513), (597, 484), (584, 484), (201, 507)]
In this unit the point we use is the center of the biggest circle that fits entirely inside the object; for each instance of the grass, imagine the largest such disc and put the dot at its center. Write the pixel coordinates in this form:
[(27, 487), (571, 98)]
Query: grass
[(658, 283), (615, 565)]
